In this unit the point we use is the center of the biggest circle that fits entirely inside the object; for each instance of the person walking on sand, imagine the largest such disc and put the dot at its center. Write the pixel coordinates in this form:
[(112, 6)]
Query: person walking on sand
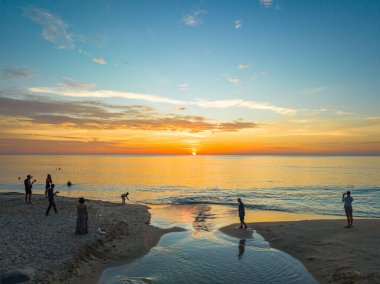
[(82, 218), (49, 182), (51, 195), (124, 196), (241, 214), (28, 189), (347, 199)]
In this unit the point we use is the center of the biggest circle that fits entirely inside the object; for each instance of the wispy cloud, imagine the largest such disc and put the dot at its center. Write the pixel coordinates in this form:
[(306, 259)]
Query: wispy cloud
[(183, 86), (10, 73), (238, 24), (258, 75), (244, 104), (193, 19), (314, 90), (75, 85), (157, 99), (243, 66), (99, 60), (266, 3), (340, 112), (54, 29), (235, 81), (374, 118)]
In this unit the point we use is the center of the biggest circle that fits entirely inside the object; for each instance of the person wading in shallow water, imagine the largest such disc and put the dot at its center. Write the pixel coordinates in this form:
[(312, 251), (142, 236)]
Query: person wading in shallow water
[(347, 199), (241, 214)]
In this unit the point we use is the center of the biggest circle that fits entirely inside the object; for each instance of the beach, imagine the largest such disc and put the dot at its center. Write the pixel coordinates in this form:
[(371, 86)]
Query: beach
[(46, 248), (332, 253)]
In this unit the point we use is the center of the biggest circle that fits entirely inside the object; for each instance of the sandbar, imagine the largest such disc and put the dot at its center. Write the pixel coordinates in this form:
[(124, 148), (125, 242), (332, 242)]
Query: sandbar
[(332, 253)]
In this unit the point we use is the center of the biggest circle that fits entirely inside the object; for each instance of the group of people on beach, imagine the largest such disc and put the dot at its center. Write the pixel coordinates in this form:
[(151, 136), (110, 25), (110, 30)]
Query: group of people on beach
[(82, 213)]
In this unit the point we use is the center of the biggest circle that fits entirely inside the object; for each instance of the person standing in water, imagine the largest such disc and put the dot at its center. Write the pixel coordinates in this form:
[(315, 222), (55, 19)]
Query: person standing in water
[(28, 189), (347, 199), (49, 182), (241, 214)]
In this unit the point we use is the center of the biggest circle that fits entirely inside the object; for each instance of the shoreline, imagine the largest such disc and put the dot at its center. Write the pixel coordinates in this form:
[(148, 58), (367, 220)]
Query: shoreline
[(331, 253), (46, 249)]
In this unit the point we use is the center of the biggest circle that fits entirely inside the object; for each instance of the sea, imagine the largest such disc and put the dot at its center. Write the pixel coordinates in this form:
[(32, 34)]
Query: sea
[(298, 184), (198, 193)]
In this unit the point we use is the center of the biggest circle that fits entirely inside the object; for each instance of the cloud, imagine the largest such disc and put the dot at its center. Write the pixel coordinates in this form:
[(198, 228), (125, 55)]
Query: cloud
[(99, 60), (244, 104), (243, 66), (54, 30), (374, 118), (192, 19), (183, 86), (340, 112), (75, 85), (258, 75), (96, 115), (266, 3), (158, 99), (238, 24), (235, 81), (314, 90), (10, 73)]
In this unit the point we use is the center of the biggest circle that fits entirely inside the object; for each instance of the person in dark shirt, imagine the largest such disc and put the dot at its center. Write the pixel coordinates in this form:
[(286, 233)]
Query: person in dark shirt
[(49, 182), (28, 189), (51, 195), (241, 214)]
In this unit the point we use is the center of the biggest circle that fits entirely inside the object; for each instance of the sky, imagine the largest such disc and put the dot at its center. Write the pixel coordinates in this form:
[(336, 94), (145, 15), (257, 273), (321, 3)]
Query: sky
[(190, 77)]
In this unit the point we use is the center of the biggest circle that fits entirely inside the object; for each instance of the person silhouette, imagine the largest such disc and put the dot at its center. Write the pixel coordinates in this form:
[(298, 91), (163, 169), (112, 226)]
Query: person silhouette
[(347, 199), (51, 195), (242, 214), (124, 196)]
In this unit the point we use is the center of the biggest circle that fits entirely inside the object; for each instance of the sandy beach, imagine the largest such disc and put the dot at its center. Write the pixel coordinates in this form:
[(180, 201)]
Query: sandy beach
[(46, 249), (332, 253)]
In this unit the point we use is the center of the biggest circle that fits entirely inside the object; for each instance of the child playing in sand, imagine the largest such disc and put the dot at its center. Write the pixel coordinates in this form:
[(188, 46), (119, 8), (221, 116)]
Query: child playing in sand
[(124, 196), (241, 214), (347, 199)]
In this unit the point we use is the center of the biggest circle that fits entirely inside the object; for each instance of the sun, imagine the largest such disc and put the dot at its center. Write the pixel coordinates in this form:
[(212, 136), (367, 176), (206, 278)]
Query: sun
[(194, 153)]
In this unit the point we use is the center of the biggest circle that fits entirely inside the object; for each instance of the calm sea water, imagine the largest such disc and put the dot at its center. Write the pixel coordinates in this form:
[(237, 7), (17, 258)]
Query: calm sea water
[(291, 184)]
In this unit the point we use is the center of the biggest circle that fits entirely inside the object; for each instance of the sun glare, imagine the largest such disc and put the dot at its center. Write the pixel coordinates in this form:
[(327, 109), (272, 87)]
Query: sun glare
[(194, 153)]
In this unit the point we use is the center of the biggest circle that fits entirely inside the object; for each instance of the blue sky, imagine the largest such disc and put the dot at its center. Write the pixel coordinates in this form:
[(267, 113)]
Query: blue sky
[(262, 62)]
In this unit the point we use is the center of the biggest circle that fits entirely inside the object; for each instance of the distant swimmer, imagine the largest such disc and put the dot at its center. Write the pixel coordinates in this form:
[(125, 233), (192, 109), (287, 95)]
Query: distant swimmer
[(347, 199), (124, 196), (69, 183), (241, 214)]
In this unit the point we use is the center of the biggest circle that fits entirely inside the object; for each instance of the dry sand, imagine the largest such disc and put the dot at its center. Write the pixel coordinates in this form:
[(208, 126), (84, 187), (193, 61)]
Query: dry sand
[(49, 251), (332, 253)]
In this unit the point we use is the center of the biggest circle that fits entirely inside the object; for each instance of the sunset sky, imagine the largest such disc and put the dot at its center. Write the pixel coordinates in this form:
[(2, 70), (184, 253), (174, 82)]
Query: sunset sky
[(183, 77)]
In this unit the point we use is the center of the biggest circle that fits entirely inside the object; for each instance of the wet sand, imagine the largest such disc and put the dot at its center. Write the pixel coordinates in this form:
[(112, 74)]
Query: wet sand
[(332, 253), (47, 250)]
